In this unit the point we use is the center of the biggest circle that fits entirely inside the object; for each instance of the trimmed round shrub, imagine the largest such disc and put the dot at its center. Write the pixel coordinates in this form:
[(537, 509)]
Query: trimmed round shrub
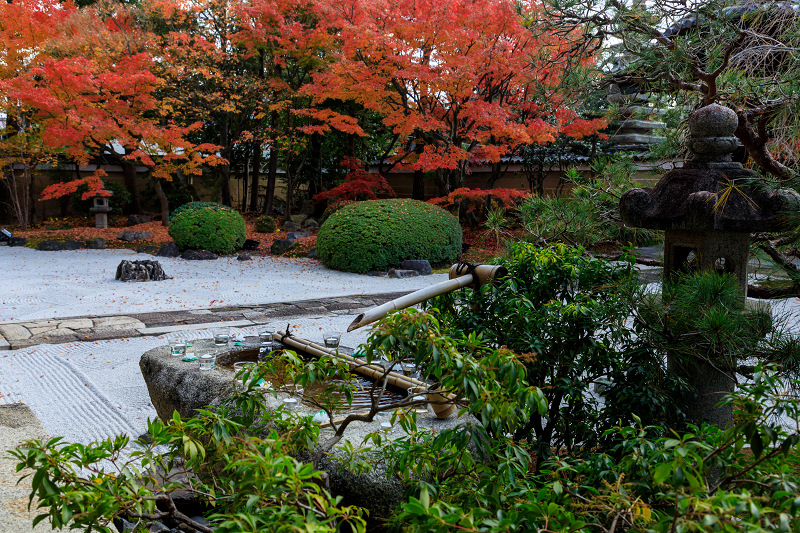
[(333, 207), (380, 234), (207, 226), (265, 224)]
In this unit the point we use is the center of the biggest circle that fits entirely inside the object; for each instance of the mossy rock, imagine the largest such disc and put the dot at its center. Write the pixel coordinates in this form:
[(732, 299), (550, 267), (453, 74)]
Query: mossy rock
[(207, 226), (380, 234)]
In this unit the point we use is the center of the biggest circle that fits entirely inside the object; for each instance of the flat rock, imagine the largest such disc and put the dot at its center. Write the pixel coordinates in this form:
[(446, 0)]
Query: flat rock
[(56, 246), (400, 273), (423, 266), (198, 255), (17, 241), (297, 235), (281, 245), (243, 257), (97, 243), (250, 244), (147, 249), (169, 249), (130, 235), (134, 220)]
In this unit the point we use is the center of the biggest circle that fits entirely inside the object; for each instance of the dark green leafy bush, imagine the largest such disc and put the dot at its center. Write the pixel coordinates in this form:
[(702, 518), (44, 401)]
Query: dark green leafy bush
[(265, 224), (380, 234), (334, 207), (207, 226)]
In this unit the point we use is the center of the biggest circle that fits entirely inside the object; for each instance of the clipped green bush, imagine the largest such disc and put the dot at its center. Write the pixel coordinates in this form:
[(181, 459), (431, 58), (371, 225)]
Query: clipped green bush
[(265, 224), (207, 226), (380, 234)]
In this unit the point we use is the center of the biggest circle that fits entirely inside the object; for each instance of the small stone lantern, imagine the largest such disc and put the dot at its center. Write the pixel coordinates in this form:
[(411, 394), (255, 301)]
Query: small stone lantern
[(101, 210), (708, 209)]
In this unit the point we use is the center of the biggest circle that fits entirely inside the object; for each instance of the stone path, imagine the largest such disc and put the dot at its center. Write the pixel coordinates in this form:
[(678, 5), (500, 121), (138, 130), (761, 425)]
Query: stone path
[(17, 424), (14, 335)]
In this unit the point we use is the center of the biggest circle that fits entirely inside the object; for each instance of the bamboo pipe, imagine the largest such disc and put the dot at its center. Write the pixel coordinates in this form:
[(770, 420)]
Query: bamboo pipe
[(459, 278), (442, 407)]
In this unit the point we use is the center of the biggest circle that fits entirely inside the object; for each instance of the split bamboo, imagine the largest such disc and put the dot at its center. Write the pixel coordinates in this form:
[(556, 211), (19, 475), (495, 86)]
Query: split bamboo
[(442, 407)]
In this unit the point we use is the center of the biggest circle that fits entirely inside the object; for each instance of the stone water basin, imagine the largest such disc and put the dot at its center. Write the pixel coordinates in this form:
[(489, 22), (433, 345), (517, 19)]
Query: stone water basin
[(179, 386)]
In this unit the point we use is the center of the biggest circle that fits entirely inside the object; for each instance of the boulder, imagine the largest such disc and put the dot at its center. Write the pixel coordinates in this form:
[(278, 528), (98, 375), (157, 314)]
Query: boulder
[(140, 271), (298, 219), (133, 220), (169, 250), (422, 266), (297, 235), (400, 273), (147, 249), (250, 244), (130, 235), (312, 253), (243, 257), (56, 246), (97, 243), (310, 224), (17, 241), (198, 255), (281, 245), (290, 226), (175, 385)]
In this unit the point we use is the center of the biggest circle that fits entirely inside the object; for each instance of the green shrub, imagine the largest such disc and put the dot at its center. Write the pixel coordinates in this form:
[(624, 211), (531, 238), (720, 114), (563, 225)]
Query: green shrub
[(265, 224), (208, 226), (380, 234), (119, 199), (334, 207)]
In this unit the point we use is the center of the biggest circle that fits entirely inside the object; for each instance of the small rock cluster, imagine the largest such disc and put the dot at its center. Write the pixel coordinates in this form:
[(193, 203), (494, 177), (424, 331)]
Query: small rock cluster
[(409, 268), (297, 228), (140, 271)]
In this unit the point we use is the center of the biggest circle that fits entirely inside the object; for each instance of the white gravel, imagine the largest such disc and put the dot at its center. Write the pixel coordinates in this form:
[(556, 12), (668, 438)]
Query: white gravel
[(40, 285), (87, 391)]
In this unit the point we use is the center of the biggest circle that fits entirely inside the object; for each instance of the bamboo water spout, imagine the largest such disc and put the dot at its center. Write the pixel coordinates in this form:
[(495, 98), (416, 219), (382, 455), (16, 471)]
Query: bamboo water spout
[(461, 276)]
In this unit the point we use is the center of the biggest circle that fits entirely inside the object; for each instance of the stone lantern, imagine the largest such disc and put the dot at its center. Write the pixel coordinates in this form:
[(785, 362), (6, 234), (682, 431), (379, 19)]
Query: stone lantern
[(708, 209), (101, 210)]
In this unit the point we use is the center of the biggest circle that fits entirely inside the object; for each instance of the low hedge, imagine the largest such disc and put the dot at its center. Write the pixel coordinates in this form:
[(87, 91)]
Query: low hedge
[(380, 234), (207, 226)]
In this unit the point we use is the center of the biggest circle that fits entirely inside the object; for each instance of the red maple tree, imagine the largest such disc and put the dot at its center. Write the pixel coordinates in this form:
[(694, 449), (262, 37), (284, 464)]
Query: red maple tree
[(453, 79)]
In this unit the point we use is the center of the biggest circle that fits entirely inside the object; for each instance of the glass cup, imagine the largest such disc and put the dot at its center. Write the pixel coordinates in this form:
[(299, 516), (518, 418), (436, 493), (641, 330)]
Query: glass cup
[(331, 339), (417, 395), (222, 337), (383, 419), (177, 347), (207, 361), (240, 367), (265, 337), (291, 403), (189, 353)]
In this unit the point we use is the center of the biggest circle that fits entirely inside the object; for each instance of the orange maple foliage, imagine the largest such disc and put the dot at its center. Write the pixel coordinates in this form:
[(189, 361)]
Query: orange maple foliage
[(91, 91), (462, 78)]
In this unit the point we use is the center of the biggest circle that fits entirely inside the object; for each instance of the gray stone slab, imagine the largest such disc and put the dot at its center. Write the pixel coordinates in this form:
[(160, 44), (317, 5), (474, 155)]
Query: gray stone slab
[(201, 312), (183, 327), (76, 323), (14, 332), (107, 321), (4, 345)]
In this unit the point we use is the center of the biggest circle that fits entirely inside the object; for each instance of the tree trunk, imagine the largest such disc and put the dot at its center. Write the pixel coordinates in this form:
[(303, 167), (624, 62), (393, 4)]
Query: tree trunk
[(129, 179), (164, 203), (272, 175), (255, 177), (418, 189)]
